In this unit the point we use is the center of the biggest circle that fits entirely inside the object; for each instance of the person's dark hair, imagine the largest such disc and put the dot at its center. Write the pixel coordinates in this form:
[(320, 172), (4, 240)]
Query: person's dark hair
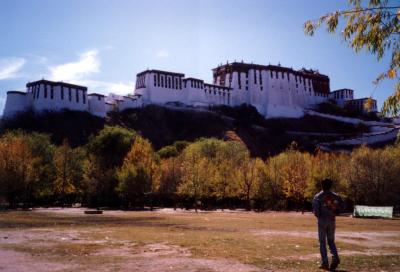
[(326, 184)]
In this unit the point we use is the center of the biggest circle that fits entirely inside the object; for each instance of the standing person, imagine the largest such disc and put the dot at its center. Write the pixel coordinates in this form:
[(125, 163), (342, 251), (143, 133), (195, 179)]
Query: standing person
[(326, 205)]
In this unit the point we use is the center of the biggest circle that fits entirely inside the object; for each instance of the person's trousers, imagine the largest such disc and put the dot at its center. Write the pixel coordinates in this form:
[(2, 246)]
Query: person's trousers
[(326, 233)]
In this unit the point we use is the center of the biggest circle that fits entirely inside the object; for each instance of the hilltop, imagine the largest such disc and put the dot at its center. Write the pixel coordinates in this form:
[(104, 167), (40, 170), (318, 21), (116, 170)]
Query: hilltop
[(163, 125)]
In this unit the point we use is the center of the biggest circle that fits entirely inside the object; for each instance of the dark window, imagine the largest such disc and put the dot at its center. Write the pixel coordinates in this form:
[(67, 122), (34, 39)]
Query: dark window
[(62, 92), (52, 92), (45, 91), (70, 94), (155, 80), (276, 75), (180, 83), (173, 83), (83, 97), (38, 92), (191, 84), (162, 81), (176, 83), (271, 73), (255, 77), (261, 88), (99, 98), (158, 80), (260, 78), (77, 96)]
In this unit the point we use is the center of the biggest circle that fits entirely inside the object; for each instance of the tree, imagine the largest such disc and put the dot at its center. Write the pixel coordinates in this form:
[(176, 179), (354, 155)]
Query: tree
[(327, 165), (111, 145), (68, 165), (275, 184), (373, 176), (99, 183), (139, 174), (375, 27), (43, 151), (170, 177), (197, 171), (228, 158), (106, 153), (248, 175), (294, 170), (16, 169)]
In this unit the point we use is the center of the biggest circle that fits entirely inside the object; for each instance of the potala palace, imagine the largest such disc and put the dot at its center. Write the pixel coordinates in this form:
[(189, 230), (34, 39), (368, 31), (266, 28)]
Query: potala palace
[(274, 90)]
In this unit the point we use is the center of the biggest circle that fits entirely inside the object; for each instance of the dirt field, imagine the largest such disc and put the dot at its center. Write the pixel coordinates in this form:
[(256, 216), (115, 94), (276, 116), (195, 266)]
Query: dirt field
[(167, 240)]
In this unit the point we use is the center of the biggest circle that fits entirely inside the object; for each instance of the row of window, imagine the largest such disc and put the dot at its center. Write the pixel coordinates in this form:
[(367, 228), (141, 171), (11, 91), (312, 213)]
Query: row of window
[(167, 82), (342, 94), (298, 79), (360, 104), (48, 90), (215, 92), (140, 82)]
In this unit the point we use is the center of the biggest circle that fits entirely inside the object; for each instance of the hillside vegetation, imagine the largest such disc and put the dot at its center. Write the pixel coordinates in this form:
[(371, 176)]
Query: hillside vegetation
[(165, 125), (160, 156)]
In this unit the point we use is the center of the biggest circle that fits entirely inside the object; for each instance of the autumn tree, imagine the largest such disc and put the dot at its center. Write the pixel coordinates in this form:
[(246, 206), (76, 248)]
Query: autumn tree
[(294, 171), (374, 26), (198, 170), (43, 151), (248, 176), (228, 158), (373, 176), (68, 164), (16, 169), (139, 174), (106, 153), (327, 165), (170, 177)]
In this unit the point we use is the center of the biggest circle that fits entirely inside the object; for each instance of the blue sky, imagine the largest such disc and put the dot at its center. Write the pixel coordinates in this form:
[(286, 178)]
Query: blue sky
[(104, 44)]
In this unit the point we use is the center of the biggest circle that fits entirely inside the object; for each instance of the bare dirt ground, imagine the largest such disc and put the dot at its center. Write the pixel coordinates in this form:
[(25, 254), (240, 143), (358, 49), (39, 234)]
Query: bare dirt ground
[(148, 257), (167, 240)]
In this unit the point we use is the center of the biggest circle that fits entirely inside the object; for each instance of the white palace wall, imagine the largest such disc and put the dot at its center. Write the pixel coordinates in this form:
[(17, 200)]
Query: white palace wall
[(45, 95), (51, 97), (274, 91)]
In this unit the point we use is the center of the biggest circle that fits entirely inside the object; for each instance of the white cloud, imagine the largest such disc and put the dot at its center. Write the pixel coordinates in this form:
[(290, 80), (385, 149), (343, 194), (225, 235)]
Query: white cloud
[(87, 64), (163, 54), (10, 67), (104, 87)]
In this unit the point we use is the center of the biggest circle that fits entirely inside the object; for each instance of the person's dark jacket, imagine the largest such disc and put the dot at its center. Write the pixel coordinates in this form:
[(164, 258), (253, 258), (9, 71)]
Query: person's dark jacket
[(326, 205)]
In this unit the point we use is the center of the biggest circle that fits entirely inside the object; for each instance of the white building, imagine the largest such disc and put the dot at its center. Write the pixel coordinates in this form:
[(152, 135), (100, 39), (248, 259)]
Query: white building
[(341, 96), (45, 95), (275, 91), (363, 105)]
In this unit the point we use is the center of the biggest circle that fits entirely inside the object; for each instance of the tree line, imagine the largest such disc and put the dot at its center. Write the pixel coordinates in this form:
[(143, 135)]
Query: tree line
[(119, 168)]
